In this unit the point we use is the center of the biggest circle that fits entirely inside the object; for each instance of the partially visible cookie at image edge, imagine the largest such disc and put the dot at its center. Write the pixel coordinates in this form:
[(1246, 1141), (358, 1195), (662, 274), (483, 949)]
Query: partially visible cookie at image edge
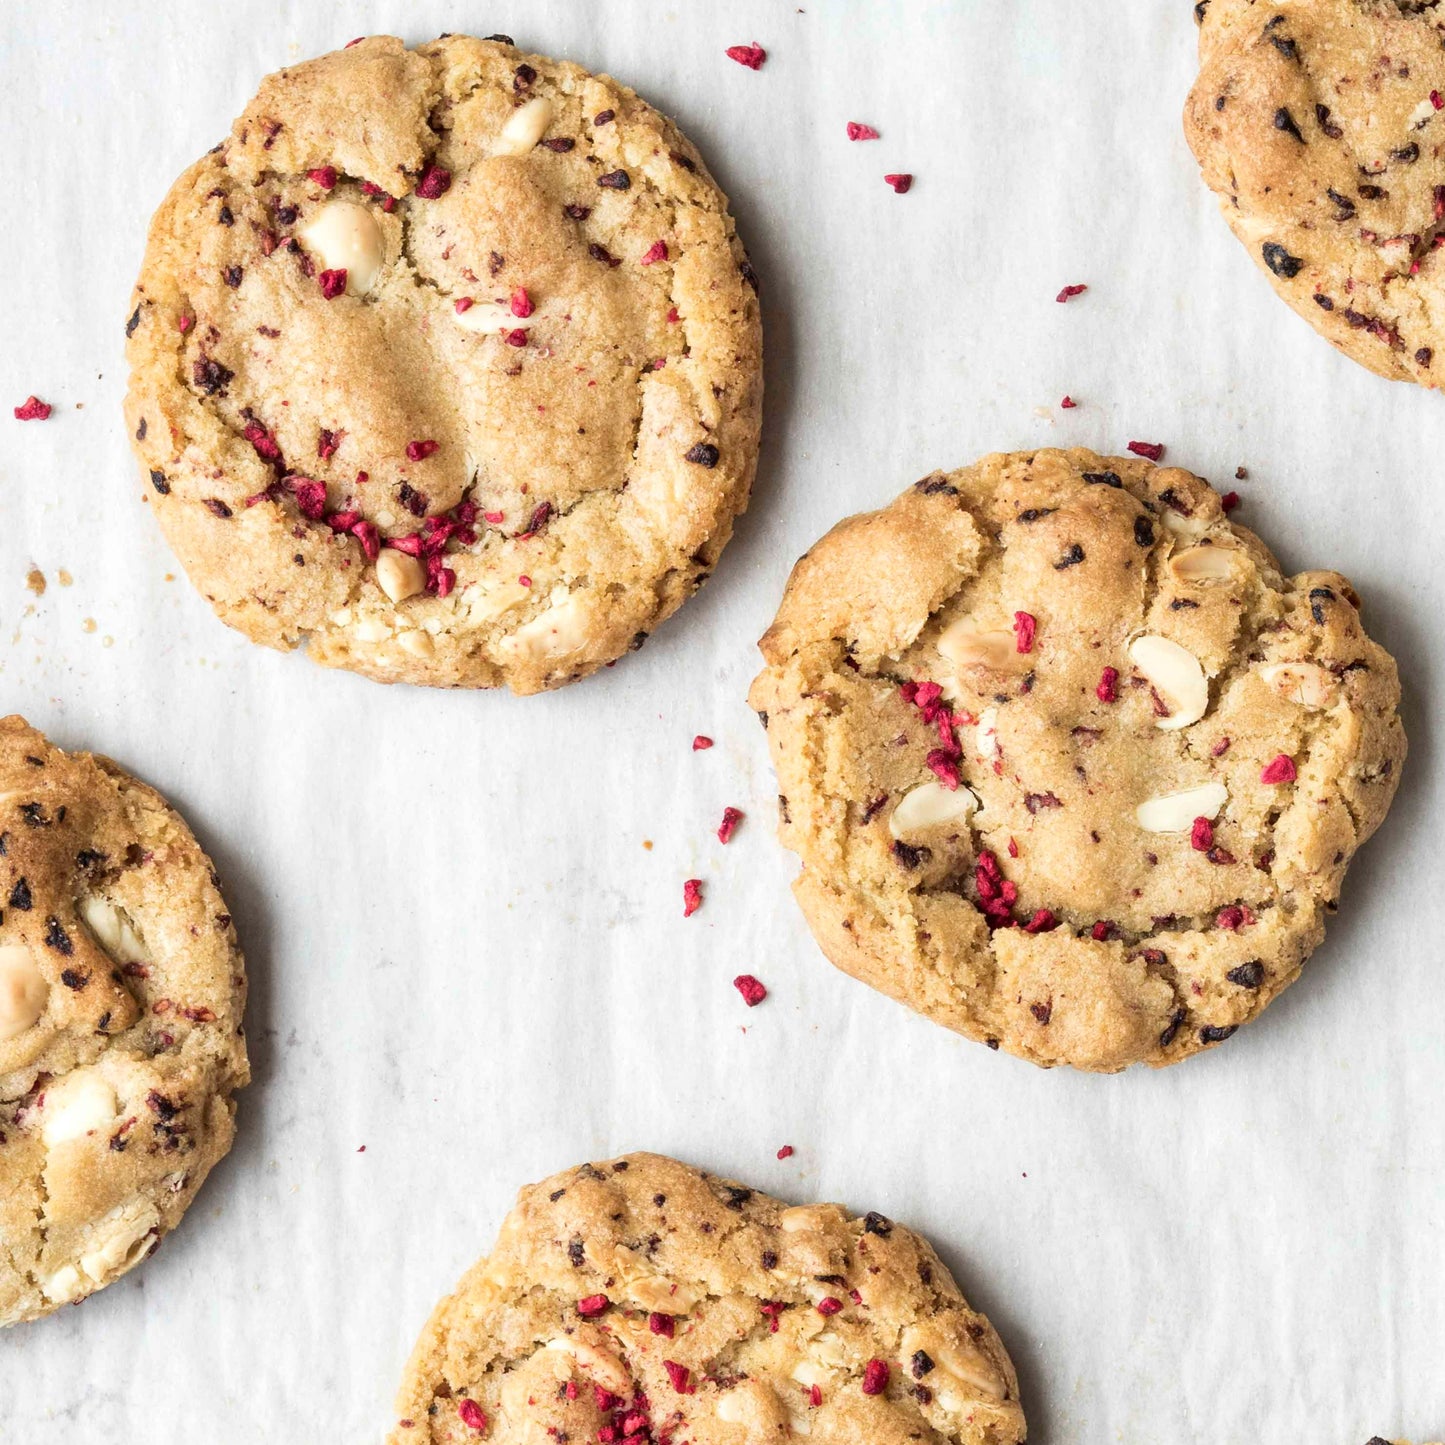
[(121, 993), (1070, 765), (640, 1299), (1321, 128), (446, 364)]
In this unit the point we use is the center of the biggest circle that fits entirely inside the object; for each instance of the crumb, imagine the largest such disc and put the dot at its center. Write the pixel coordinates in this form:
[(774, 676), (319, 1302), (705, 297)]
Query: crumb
[(35, 581), (647, 843), (64, 578), (89, 625)]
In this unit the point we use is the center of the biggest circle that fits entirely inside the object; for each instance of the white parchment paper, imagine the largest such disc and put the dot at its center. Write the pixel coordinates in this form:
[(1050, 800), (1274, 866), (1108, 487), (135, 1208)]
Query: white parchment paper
[(462, 955)]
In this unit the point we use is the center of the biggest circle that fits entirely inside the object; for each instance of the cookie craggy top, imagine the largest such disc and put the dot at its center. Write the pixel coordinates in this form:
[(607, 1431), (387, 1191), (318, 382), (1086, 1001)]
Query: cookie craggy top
[(646, 1301), (121, 992), (447, 362), (1321, 127), (1071, 767)]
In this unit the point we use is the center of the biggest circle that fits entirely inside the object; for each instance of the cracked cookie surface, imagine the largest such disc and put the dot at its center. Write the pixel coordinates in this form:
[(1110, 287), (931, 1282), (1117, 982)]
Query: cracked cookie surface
[(1320, 125), (121, 993), (1071, 767), (446, 364), (643, 1300)]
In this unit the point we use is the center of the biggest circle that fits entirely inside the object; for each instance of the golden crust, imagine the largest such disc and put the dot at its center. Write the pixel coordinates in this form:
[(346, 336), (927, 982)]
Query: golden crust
[(1150, 941), (630, 417), (679, 1271)]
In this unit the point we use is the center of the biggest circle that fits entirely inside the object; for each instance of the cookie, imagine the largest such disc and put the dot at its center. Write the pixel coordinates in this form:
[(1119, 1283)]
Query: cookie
[(642, 1300), (1319, 126), (446, 364), (121, 992), (1071, 766)]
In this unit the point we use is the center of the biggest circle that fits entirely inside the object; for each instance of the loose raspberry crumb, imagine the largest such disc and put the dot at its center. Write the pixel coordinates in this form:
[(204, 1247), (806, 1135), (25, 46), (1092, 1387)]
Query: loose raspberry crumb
[(829, 1305), (592, 1305), (661, 1324), (1201, 835), (332, 283), (901, 181), (434, 182), (655, 252), (1229, 501), (1042, 922), (1068, 403), (471, 1415), (33, 409), (1280, 770), (730, 819), (516, 337), (679, 1375), (875, 1378), (751, 989), (419, 451), (1069, 292), (750, 55), (522, 303), (524, 580), (786, 1152), (1025, 626), (1108, 688), (323, 176), (691, 896), (1152, 450), (701, 743), (858, 131)]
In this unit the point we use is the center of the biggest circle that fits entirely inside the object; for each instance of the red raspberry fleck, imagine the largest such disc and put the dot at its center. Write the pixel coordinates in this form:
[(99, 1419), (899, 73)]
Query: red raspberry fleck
[(33, 409), (786, 1152), (875, 1378), (661, 1324), (516, 337), (691, 896), (858, 131), (1042, 922), (701, 743), (996, 894), (411, 544), (1229, 501), (1025, 625), (522, 303), (332, 283), (1280, 769), (524, 580), (434, 182), (1103, 930), (730, 819), (462, 305), (327, 442), (184, 323), (1108, 688), (771, 1310), (1436, 100), (1152, 450), (815, 1395), (944, 766), (751, 989), (419, 451), (672, 317), (1220, 748), (343, 521), (1069, 292), (750, 55), (1013, 849), (592, 1305), (901, 181), (471, 1415), (262, 440), (829, 1305), (310, 497), (370, 539), (1201, 835), (323, 176), (1231, 918), (1068, 403), (655, 252), (679, 1375)]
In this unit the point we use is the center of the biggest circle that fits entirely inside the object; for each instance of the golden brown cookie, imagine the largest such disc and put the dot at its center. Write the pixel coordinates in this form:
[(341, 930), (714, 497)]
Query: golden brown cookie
[(447, 364), (121, 993), (1320, 125), (1071, 767), (643, 1301)]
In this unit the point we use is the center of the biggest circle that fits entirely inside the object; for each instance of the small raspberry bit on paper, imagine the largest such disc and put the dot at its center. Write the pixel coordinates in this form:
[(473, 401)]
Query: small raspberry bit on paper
[(654, 253), (1229, 501), (875, 1378), (434, 182), (1069, 292), (1025, 626), (730, 819), (691, 896), (33, 409), (1068, 403), (786, 1152), (591, 1306), (323, 176), (750, 55), (858, 131), (751, 989), (661, 1324), (472, 1415), (901, 181), (1201, 835), (420, 450), (1280, 769), (522, 303), (1151, 450), (1108, 688), (332, 283), (701, 743)]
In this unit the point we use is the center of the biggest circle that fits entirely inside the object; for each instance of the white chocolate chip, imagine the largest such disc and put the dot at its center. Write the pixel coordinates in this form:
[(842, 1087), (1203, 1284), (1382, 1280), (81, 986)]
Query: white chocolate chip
[(965, 646), (525, 127), (986, 737), (23, 991), (399, 574), (63, 1286), (127, 1244), (419, 644), (1202, 566), (79, 1104), (653, 1292), (753, 1403), (491, 316), (956, 1363), (486, 600), (802, 1218), (1305, 683), (1175, 675), (1181, 526), (113, 929), (345, 236), (1422, 113), (1176, 812), (602, 1365), (372, 629), (929, 806), (556, 633)]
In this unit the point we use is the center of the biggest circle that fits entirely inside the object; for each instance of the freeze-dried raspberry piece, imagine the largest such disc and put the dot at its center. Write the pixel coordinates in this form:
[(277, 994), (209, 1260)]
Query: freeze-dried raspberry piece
[(901, 181), (1153, 451), (661, 1324), (1201, 835), (691, 896), (680, 1376), (332, 283), (521, 303), (750, 55), (730, 819), (1069, 292), (875, 1377), (701, 743), (752, 989), (33, 409), (1108, 688), (420, 450), (434, 182), (1280, 769), (654, 253), (858, 131), (471, 1415), (591, 1306), (323, 176), (1025, 627)]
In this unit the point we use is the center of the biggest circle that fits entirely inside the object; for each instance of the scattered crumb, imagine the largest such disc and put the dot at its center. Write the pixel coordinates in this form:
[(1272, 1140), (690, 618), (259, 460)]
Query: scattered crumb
[(64, 578), (89, 625), (647, 843), (1241, 474), (35, 581), (786, 1152)]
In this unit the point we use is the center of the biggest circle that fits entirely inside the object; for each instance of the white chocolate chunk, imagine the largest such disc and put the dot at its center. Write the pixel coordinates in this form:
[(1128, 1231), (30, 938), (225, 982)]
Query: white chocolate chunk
[(491, 316), (79, 1104), (127, 1243), (965, 646), (399, 574), (956, 1364), (1305, 683), (112, 929), (345, 236), (63, 1286), (489, 599), (1176, 812), (556, 633), (23, 991), (1175, 674), (419, 644), (1202, 566), (599, 1364), (1188, 528), (803, 1218), (372, 629), (754, 1404), (986, 737), (931, 805), (524, 128)]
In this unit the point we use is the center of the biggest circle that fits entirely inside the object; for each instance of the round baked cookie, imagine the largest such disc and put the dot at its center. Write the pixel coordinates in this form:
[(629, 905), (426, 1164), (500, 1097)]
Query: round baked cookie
[(1319, 124), (642, 1300), (447, 365), (121, 992), (1071, 767)]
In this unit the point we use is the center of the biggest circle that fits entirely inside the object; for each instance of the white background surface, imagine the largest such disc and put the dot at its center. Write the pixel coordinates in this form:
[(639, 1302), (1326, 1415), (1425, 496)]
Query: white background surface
[(461, 954)]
